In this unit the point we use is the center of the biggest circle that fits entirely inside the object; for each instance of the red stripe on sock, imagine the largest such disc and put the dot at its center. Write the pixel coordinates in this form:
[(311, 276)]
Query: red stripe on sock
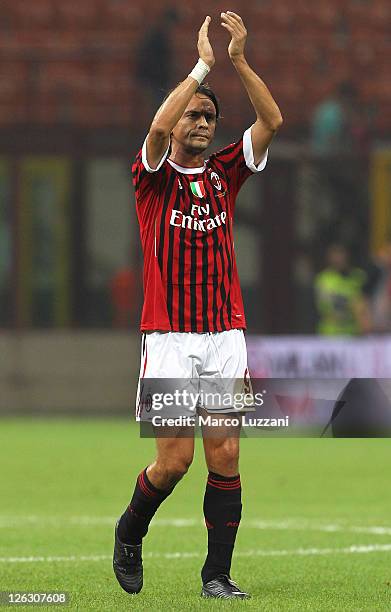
[(146, 492), (225, 484), (144, 487), (227, 480), (224, 481), (150, 492), (225, 487), (233, 484)]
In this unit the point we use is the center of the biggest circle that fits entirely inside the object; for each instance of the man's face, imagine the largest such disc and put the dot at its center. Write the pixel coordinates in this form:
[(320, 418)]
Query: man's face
[(195, 129), (338, 258)]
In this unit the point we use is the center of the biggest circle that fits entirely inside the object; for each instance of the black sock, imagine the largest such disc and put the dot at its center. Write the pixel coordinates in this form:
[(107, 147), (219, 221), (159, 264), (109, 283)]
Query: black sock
[(134, 523), (222, 511)]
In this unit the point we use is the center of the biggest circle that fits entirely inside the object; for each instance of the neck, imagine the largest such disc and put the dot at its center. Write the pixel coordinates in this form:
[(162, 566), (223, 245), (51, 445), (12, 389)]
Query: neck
[(187, 159)]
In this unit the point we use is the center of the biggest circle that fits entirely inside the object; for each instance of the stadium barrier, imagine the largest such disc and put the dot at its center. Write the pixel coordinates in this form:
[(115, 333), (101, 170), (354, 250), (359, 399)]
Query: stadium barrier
[(78, 373), (318, 357), (96, 372)]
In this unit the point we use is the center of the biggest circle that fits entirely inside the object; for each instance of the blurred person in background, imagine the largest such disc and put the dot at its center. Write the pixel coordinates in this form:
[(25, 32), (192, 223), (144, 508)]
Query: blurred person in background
[(193, 317), (124, 297), (339, 123), (5, 271), (340, 298), (379, 291), (156, 58)]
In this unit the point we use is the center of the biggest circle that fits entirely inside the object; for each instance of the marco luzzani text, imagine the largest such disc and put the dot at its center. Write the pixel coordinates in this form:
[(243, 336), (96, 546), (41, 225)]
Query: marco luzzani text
[(209, 420)]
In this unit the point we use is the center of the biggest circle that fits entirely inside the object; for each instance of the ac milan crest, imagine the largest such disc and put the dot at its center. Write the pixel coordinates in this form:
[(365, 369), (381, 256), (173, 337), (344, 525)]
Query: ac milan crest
[(215, 180)]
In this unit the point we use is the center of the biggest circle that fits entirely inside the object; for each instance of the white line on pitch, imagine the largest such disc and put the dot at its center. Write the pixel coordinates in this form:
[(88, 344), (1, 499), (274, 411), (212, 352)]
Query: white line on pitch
[(302, 552), (294, 524)]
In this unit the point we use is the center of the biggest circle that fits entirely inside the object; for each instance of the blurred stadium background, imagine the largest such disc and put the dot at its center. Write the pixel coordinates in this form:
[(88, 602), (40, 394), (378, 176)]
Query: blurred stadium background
[(79, 83)]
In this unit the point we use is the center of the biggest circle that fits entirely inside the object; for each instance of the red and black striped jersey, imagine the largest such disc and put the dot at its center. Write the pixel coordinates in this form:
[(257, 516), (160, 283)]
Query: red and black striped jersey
[(191, 281)]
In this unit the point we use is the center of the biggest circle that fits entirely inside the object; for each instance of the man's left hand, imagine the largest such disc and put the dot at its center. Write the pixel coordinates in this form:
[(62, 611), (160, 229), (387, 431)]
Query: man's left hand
[(235, 26)]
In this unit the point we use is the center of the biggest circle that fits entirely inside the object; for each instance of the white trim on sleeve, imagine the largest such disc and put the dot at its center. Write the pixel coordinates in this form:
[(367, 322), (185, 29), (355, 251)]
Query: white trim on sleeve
[(145, 161), (249, 153)]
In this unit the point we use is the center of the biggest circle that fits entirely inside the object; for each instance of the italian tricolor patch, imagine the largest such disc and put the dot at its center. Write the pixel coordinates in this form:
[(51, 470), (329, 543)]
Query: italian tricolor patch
[(198, 189)]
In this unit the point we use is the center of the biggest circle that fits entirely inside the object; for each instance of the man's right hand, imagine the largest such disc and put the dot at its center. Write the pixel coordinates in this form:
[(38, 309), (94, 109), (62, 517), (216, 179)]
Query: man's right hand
[(204, 47), (172, 109)]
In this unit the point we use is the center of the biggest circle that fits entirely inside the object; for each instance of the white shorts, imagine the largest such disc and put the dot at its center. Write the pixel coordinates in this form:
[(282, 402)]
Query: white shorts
[(195, 365)]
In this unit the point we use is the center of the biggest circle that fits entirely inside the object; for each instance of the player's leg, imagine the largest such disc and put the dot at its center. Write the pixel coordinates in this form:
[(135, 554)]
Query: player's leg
[(222, 508), (161, 364), (166, 360), (156, 483), (153, 486), (227, 355)]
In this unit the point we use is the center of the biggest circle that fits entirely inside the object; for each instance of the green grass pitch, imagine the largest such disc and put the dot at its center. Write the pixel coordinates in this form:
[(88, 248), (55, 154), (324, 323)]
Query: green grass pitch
[(315, 535)]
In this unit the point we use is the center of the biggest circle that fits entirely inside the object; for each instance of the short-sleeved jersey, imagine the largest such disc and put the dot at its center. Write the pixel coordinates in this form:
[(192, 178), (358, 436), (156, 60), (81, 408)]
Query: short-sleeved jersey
[(191, 281)]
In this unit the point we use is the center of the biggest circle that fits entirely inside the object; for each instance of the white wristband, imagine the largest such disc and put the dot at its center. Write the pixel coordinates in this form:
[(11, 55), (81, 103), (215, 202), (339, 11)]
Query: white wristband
[(200, 70)]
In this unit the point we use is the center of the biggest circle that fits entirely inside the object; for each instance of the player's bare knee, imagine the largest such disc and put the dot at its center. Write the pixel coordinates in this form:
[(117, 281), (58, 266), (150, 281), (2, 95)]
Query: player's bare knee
[(176, 471), (181, 469), (172, 470), (224, 457)]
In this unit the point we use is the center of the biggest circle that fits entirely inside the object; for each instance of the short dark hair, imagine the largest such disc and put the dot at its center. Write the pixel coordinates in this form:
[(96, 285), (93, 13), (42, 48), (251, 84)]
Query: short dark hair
[(205, 90)]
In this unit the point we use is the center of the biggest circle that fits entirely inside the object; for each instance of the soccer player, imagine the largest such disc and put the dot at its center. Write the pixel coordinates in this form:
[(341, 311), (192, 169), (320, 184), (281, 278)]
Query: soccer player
[(193, 319)]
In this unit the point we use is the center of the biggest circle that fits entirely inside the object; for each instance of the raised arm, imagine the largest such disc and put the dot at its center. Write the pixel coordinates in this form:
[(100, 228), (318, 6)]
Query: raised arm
[(269, 117), (173, 108)]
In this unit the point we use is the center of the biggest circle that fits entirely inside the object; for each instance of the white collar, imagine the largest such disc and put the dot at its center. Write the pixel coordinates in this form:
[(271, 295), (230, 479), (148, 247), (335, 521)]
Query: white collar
[(185, 170)]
